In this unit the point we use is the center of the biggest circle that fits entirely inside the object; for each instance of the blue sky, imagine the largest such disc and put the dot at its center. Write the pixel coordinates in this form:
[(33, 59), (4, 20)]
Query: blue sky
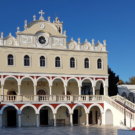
[(112, 20)]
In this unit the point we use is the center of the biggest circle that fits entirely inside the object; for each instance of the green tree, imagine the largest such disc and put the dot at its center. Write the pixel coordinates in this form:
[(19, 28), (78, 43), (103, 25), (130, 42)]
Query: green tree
[(113, 81), (132, 80)]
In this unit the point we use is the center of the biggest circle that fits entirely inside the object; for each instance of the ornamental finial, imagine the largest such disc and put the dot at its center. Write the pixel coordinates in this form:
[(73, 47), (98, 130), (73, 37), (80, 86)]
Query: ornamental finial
[(1, 34), (25, 24), (41, 12), (34, 17), (49, 18), (18, 29)]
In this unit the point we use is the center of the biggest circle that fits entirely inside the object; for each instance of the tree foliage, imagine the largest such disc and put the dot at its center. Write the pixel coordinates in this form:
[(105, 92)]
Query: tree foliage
[(132, 80), (113, 81)]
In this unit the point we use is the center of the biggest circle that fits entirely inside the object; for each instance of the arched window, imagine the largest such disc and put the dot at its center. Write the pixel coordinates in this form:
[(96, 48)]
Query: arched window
[(10, 59), (86, 63), (42, 61), (57, 62), (26, 60), (72, 62), (99, 63)]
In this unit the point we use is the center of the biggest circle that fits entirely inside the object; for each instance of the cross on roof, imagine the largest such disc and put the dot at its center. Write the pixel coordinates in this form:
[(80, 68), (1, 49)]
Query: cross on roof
[(41, 12)]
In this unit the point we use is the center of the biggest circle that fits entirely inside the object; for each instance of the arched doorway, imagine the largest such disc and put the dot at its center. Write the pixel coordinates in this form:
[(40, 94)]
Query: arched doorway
[(10, 117), (62, 116), (41, 95), (95, 116), (79, 116), (99, 90), (12, 95), (86, 87), (108, 117), (28, 116), (46, 116)]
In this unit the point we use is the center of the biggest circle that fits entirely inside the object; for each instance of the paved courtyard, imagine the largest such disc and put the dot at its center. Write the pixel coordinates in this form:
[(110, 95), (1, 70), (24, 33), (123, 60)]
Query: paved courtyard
[(76, 130)]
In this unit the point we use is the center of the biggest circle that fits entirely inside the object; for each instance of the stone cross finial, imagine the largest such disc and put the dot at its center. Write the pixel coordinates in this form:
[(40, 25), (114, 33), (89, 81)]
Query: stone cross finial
[(93, 41), (25, 24), (41, 12), (104, 42), (34, 17), (65, 32), (49, 18), (79, 40), (10, 34), (86, 40), (1, 34), (18, 29)]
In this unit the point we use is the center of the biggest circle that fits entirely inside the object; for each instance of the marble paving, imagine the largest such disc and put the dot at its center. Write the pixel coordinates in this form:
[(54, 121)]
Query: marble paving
[(75, 130)]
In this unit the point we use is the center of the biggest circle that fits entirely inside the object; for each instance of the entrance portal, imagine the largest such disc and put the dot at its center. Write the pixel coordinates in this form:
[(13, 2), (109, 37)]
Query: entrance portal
[(43, 117), (75, 117), (95, 116), (10, 117)]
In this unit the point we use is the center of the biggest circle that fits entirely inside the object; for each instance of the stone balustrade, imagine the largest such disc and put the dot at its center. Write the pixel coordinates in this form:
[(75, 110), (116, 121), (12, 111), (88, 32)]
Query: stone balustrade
[(51, 98)]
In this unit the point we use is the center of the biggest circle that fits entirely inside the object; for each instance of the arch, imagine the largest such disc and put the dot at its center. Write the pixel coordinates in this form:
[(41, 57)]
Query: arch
[(63, 105), (43, 78), (41, 92), (96, 105), (101, 80), (26, 78), (9, 105), (29, 105), (60, 79), (72, 78), (87, 86), (45, 105), (91, 81), (7, 77), (82, 105), (100, 87), (108, 117)]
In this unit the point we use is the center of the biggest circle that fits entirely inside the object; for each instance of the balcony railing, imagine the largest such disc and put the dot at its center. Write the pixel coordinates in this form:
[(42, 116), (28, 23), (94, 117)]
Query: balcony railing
[(51, 98)]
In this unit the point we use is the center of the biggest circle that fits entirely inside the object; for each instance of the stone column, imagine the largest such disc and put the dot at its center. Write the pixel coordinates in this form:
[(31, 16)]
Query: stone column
[(0, 120), (87, 119), (79, 90), (65, 90), (93, 90), (71, 119), (2, 92), (54, 117), (19, 120), (19, 90), (50, 90), (37, 120), (35, 92), (106, 90)]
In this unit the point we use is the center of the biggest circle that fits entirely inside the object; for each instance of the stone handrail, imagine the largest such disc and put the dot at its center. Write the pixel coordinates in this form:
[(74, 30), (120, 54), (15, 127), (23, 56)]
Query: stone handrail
[(124, 102), (119, 107)]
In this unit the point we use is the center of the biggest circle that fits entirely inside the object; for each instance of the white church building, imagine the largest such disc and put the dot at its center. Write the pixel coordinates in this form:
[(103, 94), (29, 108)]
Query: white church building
[(45, 80)]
